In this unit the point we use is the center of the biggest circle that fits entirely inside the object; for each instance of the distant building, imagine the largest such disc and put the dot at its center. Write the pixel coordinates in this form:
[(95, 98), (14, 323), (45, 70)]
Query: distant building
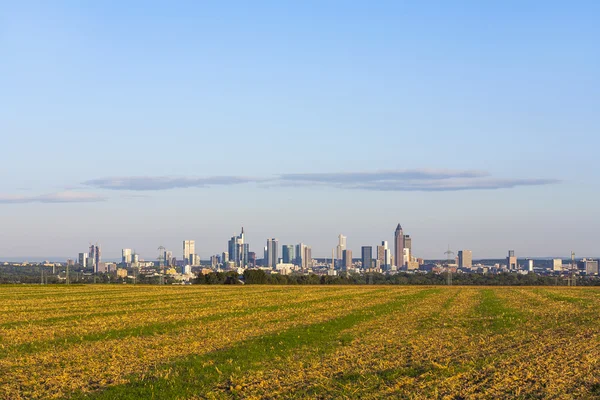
[(588, 266), (530, 265), (408, 243), (300, 256), (557, 264), (238, 249), (465, 259), (381, 255), (405, 256), (194, 260), (189, 249), (341, 246), (366, 256), (272, 257), (511, 260), (398, 246), (251, 259), (83, 259), (347, 260), (288, 254), (307, 258), (126, 256)]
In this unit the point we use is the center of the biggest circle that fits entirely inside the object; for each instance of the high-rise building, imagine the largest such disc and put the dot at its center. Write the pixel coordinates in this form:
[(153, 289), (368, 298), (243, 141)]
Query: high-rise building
[(307, 258), (252, 259), (300, 256), (405, 256), (511, 260), (530, 265), (347, 260), (366, 256), (225, 257), (189, 249), (238, 249), (398, 246), (381, 255), (288, 254), (341, 246), (98, 258), (126, 256), (91, 262), (168, 258), (588, 266), (408, 243), (83, 257), (465, 259), (272, 257), (557, 264)]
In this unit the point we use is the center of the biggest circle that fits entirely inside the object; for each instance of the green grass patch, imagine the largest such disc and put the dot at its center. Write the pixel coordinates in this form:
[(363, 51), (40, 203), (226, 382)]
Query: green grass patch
[(199, 374)]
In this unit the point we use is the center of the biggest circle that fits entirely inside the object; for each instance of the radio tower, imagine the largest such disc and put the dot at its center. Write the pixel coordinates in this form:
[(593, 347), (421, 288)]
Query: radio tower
[(448, 253)]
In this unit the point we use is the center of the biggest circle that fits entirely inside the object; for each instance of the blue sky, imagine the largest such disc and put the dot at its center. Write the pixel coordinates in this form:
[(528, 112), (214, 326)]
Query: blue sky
[(140, 124)]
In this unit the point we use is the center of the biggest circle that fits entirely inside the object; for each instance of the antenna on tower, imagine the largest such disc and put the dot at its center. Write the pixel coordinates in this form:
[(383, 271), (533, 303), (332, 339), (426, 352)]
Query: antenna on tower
[(448, 253)]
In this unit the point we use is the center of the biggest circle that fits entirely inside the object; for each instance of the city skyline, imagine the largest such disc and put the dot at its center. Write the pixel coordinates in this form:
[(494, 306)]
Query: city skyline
[(468, 124), (276, 251)]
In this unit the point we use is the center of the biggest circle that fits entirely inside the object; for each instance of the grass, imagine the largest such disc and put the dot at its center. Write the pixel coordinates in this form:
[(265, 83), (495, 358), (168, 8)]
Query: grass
[(298, 342)]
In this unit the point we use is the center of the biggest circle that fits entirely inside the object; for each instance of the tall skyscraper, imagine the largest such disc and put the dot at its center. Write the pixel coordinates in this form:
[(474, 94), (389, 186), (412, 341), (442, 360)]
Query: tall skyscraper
[(347, 260), (126, 256), (98, 258), (341, 246), (189, 249), (238, 249), (272, 257), (511, 260), (288, 254), (465, 259), (381, 255), (307, 258), (398, 246), (300, 256), (91, 261), (83, 257), (367, 256), (408, 243)]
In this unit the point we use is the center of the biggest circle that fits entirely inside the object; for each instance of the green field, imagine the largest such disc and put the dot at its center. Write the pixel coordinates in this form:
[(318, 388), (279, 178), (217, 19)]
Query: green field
[(141, 342)]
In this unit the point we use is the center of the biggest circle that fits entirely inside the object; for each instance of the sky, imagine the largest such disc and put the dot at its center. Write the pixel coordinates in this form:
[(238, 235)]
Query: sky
[(140, 124)]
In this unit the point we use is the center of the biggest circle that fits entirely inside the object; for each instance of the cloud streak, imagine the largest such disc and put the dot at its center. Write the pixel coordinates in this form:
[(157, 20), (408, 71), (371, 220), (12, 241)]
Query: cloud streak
[(59, 197), (142, 183), (410, 180)]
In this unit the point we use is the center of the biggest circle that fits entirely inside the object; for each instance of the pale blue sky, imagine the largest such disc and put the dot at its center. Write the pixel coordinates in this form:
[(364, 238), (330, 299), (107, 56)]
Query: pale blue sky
[(139, 124)]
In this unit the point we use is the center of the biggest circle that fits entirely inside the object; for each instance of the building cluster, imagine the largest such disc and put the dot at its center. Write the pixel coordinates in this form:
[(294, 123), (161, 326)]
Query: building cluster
[(298, 258)]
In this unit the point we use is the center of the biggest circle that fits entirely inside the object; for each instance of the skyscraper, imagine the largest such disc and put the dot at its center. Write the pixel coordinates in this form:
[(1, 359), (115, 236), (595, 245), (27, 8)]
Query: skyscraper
[(511, 260), (341, 246), (367, 256), (465, 259), (347, 260), (189, 249), (126, 256), (238, 249), (398, 246), (408, 243), (83, 259), (307, 258), (272, 256), (288, 254), (381, 255), (300, 256)]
